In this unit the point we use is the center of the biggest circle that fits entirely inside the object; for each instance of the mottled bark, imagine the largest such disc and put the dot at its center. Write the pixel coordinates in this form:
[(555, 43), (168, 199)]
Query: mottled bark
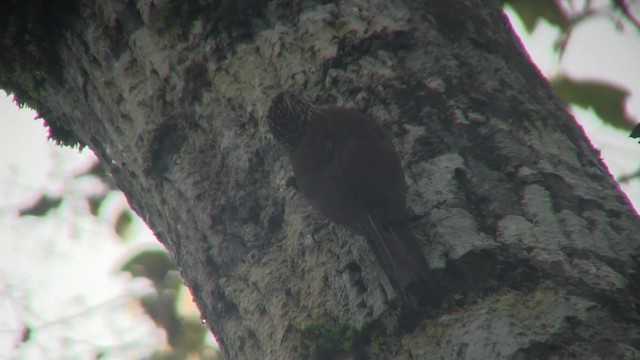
[(533, 247)]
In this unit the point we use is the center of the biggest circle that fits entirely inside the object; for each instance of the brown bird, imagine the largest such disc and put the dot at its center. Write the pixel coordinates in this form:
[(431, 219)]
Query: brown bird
[(348, 169)]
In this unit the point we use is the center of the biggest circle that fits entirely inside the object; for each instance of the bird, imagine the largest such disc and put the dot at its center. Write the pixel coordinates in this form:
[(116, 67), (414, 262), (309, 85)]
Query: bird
[(348, 169)]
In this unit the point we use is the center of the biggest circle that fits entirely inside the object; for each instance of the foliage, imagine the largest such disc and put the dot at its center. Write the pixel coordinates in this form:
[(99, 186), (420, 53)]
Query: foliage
[(186, 334), (606, 99)]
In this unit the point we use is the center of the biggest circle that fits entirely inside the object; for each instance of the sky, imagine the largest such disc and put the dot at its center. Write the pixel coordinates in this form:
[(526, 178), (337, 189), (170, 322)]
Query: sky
[(58, 273)]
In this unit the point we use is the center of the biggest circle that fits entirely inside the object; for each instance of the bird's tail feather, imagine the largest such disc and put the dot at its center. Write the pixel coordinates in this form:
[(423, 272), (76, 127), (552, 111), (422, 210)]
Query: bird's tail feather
[(398, 251)]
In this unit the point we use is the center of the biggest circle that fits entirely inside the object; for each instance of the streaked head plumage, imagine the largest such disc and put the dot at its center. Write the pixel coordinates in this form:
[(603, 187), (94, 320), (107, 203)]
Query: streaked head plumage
[(288, 118)]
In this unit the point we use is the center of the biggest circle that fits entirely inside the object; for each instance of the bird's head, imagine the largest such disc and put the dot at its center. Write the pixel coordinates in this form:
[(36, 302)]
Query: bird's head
[(288, 118)]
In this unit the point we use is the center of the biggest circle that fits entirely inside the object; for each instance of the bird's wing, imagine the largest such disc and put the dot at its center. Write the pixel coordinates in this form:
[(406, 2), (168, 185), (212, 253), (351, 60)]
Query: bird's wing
[(374, 175)]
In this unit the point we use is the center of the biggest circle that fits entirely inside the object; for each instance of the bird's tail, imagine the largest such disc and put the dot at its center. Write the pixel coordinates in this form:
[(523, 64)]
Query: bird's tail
[(399, 253)]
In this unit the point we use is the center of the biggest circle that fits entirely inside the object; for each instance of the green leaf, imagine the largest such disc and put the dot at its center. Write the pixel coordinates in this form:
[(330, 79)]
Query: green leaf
[(42, 207), (151, 264), (124, 224), (607, 100), (635, 133), (94, 203), (190, 338), (531, 12)]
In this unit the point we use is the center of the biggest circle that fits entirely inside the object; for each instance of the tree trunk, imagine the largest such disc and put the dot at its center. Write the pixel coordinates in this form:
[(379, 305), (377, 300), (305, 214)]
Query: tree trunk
[(532, 246)]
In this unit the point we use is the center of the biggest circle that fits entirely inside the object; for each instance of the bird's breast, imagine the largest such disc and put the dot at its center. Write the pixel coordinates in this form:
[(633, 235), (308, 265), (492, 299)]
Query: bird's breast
[(347, 178)]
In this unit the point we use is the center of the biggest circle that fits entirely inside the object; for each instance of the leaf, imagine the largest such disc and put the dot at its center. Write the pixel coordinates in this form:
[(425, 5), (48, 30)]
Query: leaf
[(607, 100), (94, 203), (123, 224), (151, 264), (41, 207), (26, 334), (99, 170), (635, 133), (531, 12), (190, 338)]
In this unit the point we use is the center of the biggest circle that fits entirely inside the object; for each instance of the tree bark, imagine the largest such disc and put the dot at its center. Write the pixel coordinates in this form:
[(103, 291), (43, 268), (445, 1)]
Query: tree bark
[(532, 246)]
